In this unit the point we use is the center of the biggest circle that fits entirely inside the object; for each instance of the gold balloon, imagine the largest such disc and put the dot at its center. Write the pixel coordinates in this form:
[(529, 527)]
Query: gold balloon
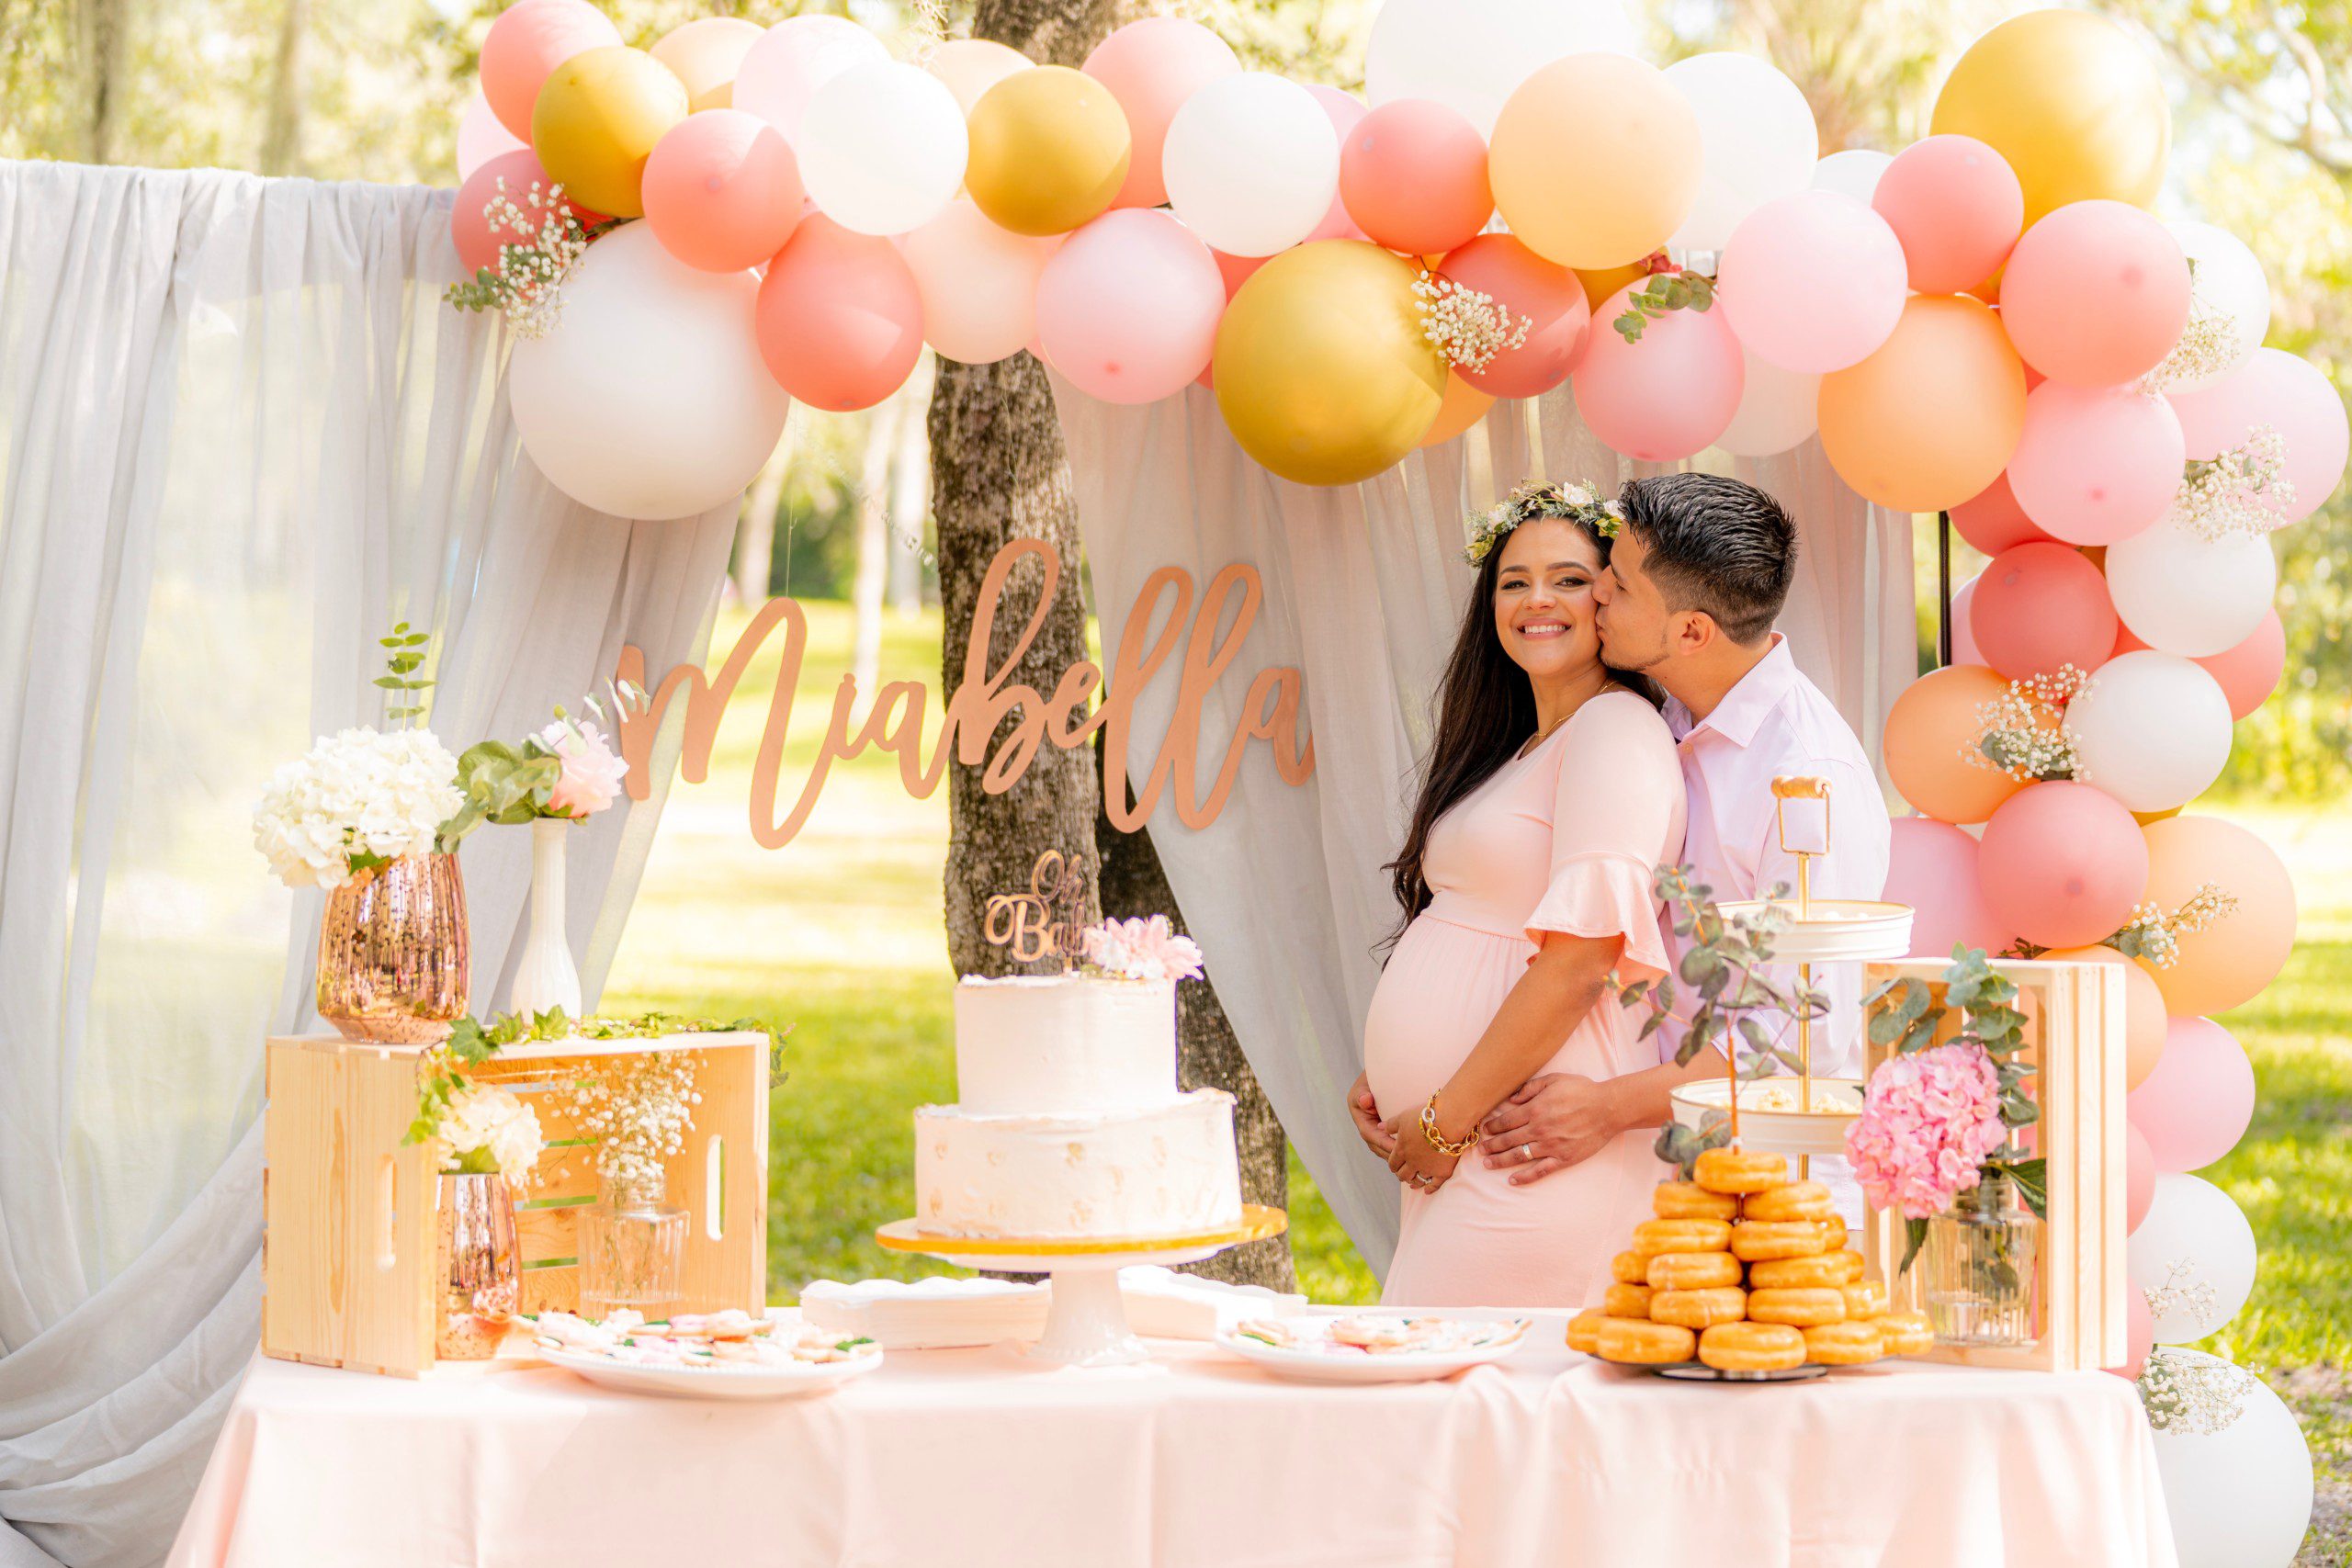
[(1594, 160), (1050, 151), (1323, 372), (1465, 406), (704, 54), (2071, 101), (597, 119), (1601, 284), (1930, 418)]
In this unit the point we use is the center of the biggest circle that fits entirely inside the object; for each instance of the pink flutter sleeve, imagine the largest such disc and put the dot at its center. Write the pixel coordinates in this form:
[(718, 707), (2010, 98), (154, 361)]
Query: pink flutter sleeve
[(1617, 813)]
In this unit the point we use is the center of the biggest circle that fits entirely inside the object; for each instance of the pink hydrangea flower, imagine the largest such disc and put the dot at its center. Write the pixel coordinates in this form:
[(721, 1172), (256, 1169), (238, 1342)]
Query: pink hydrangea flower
[(592, 774), (1141, 949), (1929, 1122)]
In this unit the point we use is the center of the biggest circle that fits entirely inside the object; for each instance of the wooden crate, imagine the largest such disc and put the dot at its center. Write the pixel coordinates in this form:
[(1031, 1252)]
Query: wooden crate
[(347, 1241), (2074, 1045)]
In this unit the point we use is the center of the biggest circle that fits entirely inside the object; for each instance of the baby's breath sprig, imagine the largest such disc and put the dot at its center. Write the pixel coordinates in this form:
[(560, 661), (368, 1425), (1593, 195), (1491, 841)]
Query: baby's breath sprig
[(1467, 327), (2238, 490), (2208, 343), (527, 282), (2189, 1397), (2024, 733), (1578, 503), (2155, 936)]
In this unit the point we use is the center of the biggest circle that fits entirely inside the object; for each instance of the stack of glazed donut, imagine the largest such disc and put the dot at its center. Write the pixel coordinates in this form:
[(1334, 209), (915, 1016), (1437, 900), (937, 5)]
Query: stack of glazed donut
[(1744, 1270)]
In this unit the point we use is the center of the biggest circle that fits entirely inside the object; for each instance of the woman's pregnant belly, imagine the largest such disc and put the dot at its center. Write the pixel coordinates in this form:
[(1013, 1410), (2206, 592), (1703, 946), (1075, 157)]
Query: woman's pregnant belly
[(1442, 986)]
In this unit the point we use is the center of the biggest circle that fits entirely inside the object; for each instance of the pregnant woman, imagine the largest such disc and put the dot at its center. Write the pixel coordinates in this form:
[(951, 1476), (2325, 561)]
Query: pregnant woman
[(1551, 795)]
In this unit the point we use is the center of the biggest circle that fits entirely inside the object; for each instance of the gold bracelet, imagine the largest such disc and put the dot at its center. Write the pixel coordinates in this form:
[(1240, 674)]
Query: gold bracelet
[(1437, 1139)]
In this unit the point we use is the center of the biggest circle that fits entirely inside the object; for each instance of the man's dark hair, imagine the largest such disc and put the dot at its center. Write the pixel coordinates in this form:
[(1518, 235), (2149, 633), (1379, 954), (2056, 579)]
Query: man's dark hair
[(1714, 544)]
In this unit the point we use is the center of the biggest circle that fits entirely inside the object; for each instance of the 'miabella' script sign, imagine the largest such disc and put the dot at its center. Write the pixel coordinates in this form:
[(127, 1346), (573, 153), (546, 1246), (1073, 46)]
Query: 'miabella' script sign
[(986, 697)]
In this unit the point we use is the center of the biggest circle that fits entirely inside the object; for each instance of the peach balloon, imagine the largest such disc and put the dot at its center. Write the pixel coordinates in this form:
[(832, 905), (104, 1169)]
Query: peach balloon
[(2095, 464), (840, 320), (1547, 294), (525, 44), (1667, 397), (2143, 1009), (1931, 866), (2040, 605), (970, 66), (2198, 1102), (478, 240), (1151, 66), (2096, 294), (1595, 160), (1790, 304), (2234, 957), (2249, 672), (704, 54), (1929, 419), (2139, 1178), (722, 191), (1413, 174), (1956, 206), (979, 283), (1465, 406), (1992, 521), (1931, 737), (2063, 863), (1127, 308)]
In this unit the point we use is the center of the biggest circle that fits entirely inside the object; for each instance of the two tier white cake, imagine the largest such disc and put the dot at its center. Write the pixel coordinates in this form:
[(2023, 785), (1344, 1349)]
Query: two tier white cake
[(1070, 1125)]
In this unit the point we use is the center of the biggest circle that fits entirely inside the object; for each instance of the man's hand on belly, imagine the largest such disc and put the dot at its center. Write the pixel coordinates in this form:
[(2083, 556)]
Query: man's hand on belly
[(1554, 1120)]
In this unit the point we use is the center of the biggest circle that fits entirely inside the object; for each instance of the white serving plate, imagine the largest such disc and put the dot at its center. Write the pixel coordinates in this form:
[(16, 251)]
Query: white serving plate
[(1775, 1132), (1835, 930), (1330, 1367), (737, 1381)]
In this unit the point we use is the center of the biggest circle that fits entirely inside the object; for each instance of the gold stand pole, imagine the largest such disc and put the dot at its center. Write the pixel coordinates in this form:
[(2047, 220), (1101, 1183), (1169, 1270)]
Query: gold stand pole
[(1804, 1014)]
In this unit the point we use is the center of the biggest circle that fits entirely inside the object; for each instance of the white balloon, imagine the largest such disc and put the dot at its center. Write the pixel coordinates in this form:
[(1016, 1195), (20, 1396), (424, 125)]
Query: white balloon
[(785, 65), (978, 282), (2226, 278), (1777, 411), (1471, 55), (1251, 164), (648, 398), (2240, 1497), (2153, 730), (882, 147), (1854, 173), (1758, 141), (2188, 595), (2196, 1242), (481, 137)]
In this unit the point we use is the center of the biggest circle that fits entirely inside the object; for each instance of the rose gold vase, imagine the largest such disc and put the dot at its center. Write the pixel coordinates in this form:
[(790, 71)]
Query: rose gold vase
[(392, 959), (477, 1265)]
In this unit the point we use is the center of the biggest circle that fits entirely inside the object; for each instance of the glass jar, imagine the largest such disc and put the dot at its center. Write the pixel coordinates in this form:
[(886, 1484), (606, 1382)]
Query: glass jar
[(478, 1257), (632, 1252), (1979, 1261), (392, 953)]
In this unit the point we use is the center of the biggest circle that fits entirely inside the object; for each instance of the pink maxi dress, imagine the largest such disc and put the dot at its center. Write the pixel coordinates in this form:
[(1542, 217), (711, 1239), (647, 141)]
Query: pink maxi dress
[(1564, 838)]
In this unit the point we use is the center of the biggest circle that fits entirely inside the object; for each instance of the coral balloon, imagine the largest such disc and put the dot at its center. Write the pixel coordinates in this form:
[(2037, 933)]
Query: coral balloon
[(1779, 409), (1931, 738), (882, 147), (1931, 866), (597, 121), (2189, 594), (2139, 1187), (2153, 730), (1465, 406), (2226, 282), (2292, 396), (970, 66), (2096, 294), (1470, 55), (1251, 162), (704, 54), (646, 397), (1992, 521), (526, 187), (2073, 103), (1127, 309), (481, 136), (2198, 1102), (2095, 464), (2234, 957), (1929, 419), (979, 284), (1757, 144), (1152, 65), (782, 71), (2249, 672), (2039, 606), (1956, 206), (1667, 397), (1595, 161), (2143, 1009), (1050, 151), (722, 190), (1548, 296), (525, 44), (2063, 865), (840, 320), (1413, 174), (1323, 372), (1790, 304)]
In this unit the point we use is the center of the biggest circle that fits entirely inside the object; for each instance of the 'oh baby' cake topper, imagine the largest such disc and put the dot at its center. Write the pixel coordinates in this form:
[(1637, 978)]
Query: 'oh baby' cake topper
[(1025, 923)]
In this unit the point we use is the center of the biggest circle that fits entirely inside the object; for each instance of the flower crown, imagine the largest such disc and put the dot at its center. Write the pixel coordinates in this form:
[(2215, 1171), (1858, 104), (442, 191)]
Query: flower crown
[(1578, 503)]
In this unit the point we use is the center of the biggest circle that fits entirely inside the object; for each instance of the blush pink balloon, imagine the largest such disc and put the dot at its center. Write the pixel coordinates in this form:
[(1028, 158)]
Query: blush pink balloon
[(477, 240), (525, 44), (1957, 207), (1668, 396), (1235, 271), (2294, 397), (1991, 520), (1127, 309), (1413, 174), (1931, 866), (481, 138), (979, 283), (1151, 66), (1345, 111), (2063, 865), (2096, 294), (1547, 294), (2139, 1334), (2199, 1101), (1964, 639), (2139, 1178), (722, 190), (2095, 464), (2038, 606), (2247, 673), (840, 320), (1813, 281)]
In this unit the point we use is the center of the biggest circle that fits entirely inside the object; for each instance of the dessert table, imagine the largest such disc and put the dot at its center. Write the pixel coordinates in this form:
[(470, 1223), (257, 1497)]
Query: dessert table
[(971, 1457)]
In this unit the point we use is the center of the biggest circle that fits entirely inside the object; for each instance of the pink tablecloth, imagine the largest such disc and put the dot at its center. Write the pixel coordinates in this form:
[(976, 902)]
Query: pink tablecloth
[(970, 1459)]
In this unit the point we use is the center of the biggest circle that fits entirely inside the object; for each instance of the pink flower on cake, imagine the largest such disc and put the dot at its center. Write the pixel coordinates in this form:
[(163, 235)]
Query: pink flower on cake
[(592, 774), (1141, 949), (1931, 1121)]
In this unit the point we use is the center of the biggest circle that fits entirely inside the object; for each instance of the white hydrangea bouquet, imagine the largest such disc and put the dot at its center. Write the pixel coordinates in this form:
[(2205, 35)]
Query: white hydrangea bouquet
[(482, 1130)]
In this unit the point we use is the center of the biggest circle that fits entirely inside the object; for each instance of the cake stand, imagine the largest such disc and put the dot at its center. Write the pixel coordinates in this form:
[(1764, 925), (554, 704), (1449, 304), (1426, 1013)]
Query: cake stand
[(1086, 1323)]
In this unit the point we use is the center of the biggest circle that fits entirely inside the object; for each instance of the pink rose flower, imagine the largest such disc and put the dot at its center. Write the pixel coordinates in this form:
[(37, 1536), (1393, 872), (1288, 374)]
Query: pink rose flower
[(1928, 1123), (592, 774)]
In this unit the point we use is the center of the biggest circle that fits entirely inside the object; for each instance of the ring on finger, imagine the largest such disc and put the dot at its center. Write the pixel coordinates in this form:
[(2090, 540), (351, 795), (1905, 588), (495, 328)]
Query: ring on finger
[(1526, 1153)]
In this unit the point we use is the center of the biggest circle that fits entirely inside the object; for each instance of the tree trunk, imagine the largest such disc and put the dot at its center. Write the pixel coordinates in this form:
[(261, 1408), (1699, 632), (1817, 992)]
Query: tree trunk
[(281, 137), (105, 27)]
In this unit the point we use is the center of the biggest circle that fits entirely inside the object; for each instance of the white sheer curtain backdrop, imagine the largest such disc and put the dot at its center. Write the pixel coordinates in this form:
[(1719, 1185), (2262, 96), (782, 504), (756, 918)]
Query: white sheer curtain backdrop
[(1364, 591), (242, 436)]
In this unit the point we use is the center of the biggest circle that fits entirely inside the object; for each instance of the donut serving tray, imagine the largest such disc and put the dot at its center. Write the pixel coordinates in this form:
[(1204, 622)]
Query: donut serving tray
[(1699, 1372)]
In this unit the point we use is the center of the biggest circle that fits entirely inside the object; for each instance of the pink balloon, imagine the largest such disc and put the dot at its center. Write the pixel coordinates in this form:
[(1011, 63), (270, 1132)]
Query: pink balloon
[(1964, 639), (1542, 291), (722, 190), (2063, 865), (1151, 66), (1993, 521), (2139, 1178), (1813, 281), (1127, 309), (2095, 464), (2139, 1333), (2198, 1102), (2294, 397), (1956, 206), (477, 240), (481, 138), (2038, 606), (1345, 111), (2096, 294), (1931, 866), (1668, 396), (1413, 174), (840, 322), (522, 48)]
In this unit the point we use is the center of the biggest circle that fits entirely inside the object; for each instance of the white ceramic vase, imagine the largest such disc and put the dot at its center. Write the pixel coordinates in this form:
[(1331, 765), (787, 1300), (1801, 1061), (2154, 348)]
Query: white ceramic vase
[(545, 975)]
